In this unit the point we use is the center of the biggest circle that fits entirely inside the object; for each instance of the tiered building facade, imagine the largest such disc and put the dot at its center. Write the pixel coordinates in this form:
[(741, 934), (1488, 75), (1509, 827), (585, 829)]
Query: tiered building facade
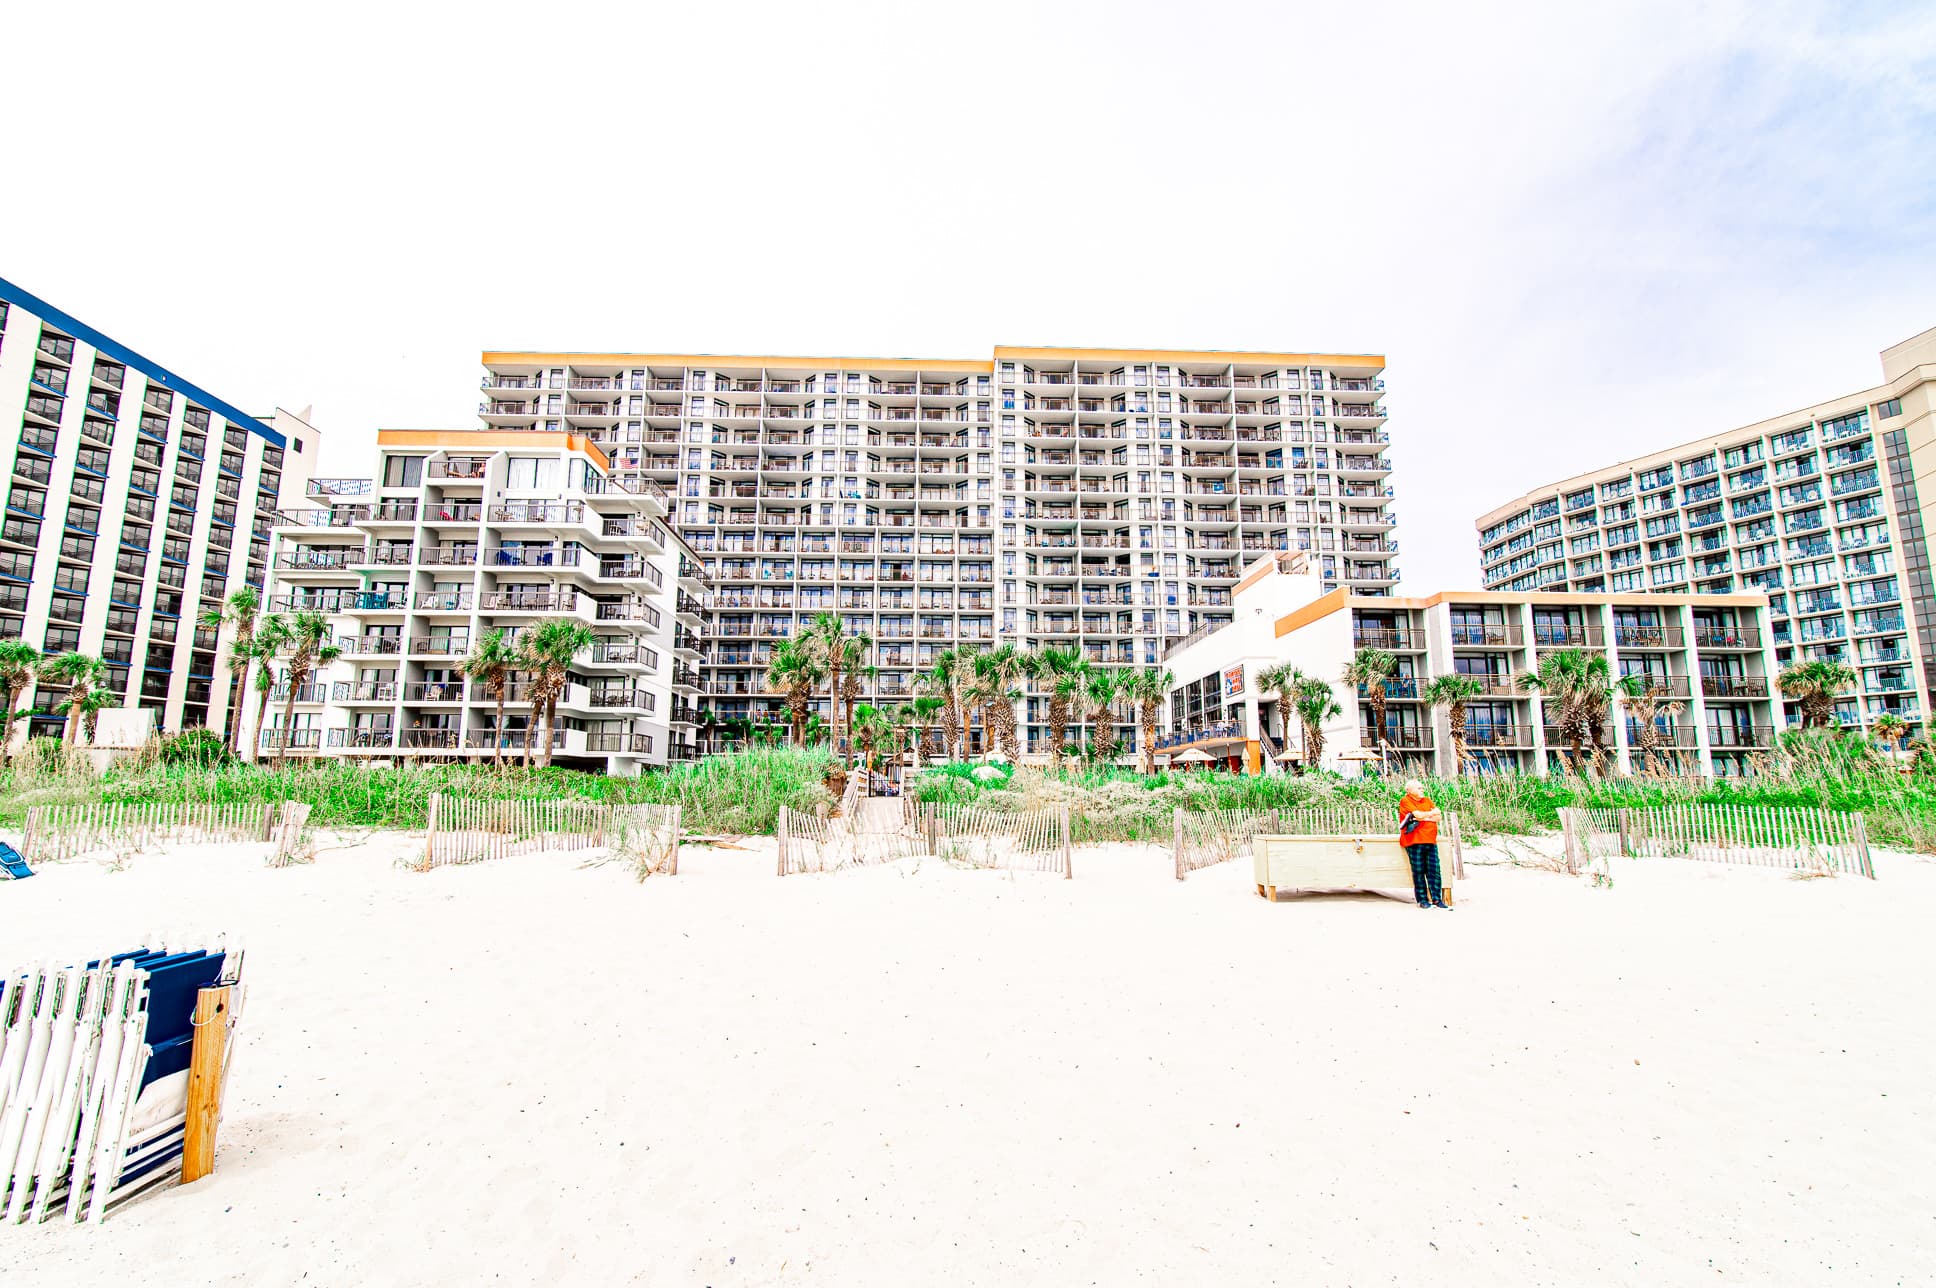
[(1100, 499), (465, 532)]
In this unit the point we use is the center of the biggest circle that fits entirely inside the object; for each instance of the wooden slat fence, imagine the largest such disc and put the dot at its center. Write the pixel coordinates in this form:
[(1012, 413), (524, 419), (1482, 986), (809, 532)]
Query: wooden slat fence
[(1811, 840), (56, 832), (650, 834), (809, 843), (1028, 841), (467, 830), (1204, 838), (1023, 841)]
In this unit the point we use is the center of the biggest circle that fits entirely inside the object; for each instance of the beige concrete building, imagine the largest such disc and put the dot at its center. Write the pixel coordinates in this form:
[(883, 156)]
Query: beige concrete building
[(1708, 655), (1100, 499), (1824, 509)]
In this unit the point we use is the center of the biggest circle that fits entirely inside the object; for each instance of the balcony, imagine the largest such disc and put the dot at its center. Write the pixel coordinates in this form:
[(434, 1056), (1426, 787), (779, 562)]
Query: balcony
[(458, 468), (1740, 737), (562, 600), (1733, 686), (338, 487), (1385, 637), (1486, 635), (1498, 736), (321, 559), (1630, 635), (364, 691), (1560, 635)]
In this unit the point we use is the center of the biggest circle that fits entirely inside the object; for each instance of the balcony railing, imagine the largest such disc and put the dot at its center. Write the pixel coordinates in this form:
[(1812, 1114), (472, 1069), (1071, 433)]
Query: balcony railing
[(1627, 635), (1740, 736), (1733, 686)]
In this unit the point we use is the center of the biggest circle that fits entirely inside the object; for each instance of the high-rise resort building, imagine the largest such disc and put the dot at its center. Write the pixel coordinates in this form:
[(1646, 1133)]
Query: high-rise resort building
[(135, 502), (463, 535), (1092, 498), (1823, 509)]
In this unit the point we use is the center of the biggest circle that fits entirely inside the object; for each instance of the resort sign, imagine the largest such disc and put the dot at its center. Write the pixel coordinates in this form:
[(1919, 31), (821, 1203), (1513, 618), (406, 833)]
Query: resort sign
[(1233, 681)]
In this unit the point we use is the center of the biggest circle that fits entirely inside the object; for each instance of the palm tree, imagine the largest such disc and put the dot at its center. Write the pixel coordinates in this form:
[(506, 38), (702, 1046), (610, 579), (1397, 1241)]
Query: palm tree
[(1578, 685), (263, 648), (1815, 685), (305, 634), (939, 681), (1151, 689), (80, 674), (1100, 689), (1890, 730), (492, 662), (96, 701), (1283, 679), (857, 668), (1065, 673), (242, 610), (1002, 668), (1371, 671), (546, 652), (1315, 704), (921, 714), (1641, 697), (794, 669), (18, 660), (1452, 692), (871, 730), (826, 634)]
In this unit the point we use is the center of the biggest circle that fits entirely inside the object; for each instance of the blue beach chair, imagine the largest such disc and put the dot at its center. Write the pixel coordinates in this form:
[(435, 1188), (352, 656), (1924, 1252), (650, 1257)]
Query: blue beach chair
[(13, 862)]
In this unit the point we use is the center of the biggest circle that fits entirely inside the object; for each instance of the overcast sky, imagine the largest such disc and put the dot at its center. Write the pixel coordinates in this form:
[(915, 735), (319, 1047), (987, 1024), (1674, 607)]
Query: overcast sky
[(1577, 232)]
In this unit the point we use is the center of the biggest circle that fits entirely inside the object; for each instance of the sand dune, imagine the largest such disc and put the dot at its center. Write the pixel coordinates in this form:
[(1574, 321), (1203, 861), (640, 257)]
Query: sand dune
[(538, 1072)]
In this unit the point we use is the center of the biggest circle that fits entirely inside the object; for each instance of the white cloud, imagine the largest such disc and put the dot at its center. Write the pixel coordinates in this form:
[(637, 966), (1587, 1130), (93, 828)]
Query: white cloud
[(1575, 231)]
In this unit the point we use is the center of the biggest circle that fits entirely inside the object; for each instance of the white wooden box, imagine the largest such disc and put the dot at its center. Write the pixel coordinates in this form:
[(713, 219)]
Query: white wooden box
[(1336, 862)]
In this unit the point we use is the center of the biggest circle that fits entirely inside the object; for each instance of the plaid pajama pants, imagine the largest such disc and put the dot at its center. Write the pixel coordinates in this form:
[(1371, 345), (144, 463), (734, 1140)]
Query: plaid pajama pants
[(1425, 874)]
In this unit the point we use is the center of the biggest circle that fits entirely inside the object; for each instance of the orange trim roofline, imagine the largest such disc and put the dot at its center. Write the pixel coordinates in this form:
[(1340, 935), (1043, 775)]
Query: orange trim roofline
[(954, 366), (494, 438)]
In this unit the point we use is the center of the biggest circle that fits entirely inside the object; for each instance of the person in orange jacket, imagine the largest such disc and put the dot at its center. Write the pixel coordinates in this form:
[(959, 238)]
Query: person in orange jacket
[(1418, 832)]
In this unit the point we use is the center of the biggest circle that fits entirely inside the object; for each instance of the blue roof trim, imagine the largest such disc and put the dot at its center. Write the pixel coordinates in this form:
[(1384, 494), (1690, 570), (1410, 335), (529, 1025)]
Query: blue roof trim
[(148, 367)]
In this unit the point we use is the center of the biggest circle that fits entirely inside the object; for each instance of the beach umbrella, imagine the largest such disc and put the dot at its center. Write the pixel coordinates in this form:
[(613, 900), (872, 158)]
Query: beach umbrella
[(1193, 757)]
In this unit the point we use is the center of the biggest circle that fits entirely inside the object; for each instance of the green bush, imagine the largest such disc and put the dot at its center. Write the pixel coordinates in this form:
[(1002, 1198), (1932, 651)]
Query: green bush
[(739, 793)]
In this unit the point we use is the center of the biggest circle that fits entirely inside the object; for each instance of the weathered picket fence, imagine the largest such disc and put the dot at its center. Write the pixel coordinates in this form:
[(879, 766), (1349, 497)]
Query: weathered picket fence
[(1023, 841), (464, 829), (1028, 841), (1204, 838), (56, 832), (1813, 840), (649, 835)]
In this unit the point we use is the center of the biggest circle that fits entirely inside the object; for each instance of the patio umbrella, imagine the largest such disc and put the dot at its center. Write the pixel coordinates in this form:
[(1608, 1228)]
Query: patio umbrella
[(1192, 756)]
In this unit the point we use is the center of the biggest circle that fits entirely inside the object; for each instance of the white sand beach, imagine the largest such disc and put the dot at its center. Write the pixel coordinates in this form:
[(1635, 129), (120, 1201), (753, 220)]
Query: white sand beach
[(534, 1071)]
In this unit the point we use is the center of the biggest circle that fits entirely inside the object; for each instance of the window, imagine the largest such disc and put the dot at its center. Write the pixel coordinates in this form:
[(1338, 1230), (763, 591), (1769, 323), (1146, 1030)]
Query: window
[(403, 471), (1891, 408), (533, 473)]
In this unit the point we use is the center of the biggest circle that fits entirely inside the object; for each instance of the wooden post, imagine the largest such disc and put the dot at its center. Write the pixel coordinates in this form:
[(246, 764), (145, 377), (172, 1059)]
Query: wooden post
[(430, 834), (1626, 841), (783, 840), (1066, 872), (205, 1061), (1176, 840), (678, 826)]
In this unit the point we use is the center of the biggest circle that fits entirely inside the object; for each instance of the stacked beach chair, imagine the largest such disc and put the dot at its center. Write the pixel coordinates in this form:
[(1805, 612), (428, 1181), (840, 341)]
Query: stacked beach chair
[(95, 1080)]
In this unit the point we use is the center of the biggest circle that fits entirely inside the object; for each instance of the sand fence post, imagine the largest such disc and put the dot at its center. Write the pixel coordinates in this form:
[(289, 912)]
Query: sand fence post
[(430, 830), (1176, 839), (782, 832), (205, 1061), (1063, 814)]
